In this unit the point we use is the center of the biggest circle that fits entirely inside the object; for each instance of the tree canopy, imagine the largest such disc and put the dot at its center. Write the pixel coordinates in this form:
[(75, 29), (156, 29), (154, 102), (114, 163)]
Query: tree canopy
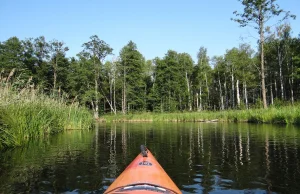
[(241, 78)]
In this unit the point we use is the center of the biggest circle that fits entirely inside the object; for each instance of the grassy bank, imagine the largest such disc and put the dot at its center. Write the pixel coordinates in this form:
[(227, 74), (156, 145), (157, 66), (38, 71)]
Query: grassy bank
[(27, 114), (282, 115)]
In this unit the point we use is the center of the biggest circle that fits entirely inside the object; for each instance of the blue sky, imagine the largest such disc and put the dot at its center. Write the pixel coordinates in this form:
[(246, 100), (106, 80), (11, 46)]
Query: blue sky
[(155, 26)]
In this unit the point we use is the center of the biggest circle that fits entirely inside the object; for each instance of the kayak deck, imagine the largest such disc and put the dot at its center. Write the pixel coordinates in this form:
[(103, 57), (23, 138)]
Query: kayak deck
[(143, 174)]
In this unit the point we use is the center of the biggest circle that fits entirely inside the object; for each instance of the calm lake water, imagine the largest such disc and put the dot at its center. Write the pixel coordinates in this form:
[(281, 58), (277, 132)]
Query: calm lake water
[(199, 157)]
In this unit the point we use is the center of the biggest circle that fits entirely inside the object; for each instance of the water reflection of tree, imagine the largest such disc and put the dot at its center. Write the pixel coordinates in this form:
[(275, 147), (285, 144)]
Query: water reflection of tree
[(248, 146), (124, 142), (191, 151), (297, 171), (53, 161), (207, 165), (240, 146), (113, 167), (269, 184), (97, 146), (199, 157), (223, 146)]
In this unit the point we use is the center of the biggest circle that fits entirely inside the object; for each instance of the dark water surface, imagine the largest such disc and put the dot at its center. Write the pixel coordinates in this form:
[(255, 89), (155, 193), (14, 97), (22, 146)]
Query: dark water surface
[(200, 158)]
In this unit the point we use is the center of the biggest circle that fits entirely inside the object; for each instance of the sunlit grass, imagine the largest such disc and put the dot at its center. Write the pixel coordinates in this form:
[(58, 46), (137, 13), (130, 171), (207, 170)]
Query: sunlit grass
[(283, 115)]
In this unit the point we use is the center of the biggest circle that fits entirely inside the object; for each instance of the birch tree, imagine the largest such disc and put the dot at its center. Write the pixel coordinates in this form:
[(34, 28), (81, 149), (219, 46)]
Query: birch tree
[(202, 77), (256, 14), (57, 49), (96, 50), (186, 63)]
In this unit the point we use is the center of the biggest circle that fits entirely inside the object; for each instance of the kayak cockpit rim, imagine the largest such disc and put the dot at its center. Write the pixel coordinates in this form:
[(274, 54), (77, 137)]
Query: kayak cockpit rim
[(142, 186)]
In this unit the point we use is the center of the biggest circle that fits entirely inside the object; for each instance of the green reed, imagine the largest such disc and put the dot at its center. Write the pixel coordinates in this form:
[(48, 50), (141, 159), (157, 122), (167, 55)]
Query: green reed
[(282, 115), (27, 114)]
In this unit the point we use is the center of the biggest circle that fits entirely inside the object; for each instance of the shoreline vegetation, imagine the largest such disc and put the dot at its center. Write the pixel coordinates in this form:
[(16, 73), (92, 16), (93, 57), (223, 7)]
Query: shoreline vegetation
[(273, 115), (29, 114), (43, 91)]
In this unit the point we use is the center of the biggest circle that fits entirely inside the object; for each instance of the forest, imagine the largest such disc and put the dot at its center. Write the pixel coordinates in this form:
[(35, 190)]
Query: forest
[(130, 83), (241, 78), (43, 90)]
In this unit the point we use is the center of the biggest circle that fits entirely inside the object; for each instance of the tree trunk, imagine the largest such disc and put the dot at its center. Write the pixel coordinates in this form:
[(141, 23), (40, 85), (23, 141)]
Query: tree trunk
[(114, 86), (197, 101), (180, 104), (169, 104), (232, 89), (200, 99), (104, 106), (280, 60), (207, 89), (275, 87), (54, 73), (189, 95), (245, 94), (238, 94), (221, 96), (261, 32), (291, 82), (272, 97), (96, 114), (292, 91), (124, 91), (111, 93), (225, 92), (115, 108), (145, 99), (94, 109), (59, 91), (122, 99), (222, 102), (109, 102)]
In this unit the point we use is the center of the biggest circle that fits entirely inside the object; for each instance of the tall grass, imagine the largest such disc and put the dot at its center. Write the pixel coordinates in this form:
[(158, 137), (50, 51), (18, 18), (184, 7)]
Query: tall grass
[(282, 115), (27, 114)]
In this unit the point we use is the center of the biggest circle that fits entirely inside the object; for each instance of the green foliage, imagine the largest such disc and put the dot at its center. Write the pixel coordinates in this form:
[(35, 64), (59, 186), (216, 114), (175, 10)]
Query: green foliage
[(11, 55), (282, 115), (130, 83), (172, 78), (202, 79), (258, 104), (95, 52), (132, 65), (29, 114), (257, 14), (259, 11), (80, 79)]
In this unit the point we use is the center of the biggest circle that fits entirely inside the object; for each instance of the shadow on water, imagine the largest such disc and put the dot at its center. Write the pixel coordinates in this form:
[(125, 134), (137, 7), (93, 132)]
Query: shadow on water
[(199, 157)]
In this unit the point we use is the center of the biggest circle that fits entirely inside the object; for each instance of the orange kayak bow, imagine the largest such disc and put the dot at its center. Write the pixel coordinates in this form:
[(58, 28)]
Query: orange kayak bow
[(143, 175)]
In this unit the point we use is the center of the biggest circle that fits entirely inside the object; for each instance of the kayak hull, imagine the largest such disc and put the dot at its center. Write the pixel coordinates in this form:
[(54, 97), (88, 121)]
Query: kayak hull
[(143, 174)]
